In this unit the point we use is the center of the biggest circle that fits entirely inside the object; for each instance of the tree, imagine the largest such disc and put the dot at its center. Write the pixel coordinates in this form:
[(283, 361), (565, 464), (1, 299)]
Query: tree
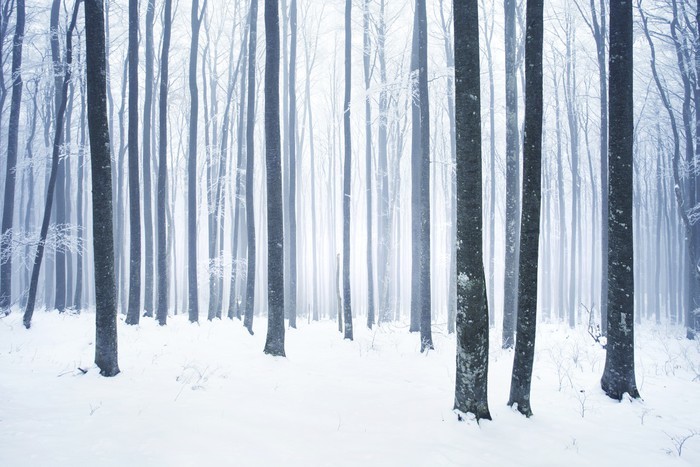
[(292, 167), (471, 390), (162, 255), (250, 166), (193, 301), (618, 376), (57, 143), (10, 176), (134, 310), (426, 338), (148, 102), (368, 160), (513, 190), (103, 240), (274, 344), (347, 172), (530, 229)]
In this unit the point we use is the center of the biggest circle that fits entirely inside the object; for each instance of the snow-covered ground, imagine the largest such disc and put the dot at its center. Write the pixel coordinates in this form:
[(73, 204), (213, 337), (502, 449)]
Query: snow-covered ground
[(207, 395)]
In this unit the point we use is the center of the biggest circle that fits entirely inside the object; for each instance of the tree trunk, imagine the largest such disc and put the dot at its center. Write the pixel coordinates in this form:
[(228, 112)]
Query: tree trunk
[(513, 189), (162, 255), (415, 183), (134, 310), (58, 142), (347, 172), (10, 176), (292, 302), (147, 147), (250, 165), (471, 390), (530, 230), (193, 300), (103, 241), (368, 162), (274, 344), (618, 376)]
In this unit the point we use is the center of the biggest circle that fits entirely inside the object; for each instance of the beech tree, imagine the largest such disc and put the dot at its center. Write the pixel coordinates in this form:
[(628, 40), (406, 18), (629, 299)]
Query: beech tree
[(471, 391), (618, 376), (526, 320), (103, 239)]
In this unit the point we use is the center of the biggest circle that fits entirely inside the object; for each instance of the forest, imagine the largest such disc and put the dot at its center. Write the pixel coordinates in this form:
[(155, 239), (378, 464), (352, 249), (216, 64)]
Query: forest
[(390, 232)]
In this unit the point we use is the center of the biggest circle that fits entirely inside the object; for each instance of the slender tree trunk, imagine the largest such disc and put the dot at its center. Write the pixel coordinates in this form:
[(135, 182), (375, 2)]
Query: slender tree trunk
[(162, 254), (250, 165), (134, 310), (530, 230), (513, 189), (103, 241), (10, 176), (415, 182), (274, 344), (78, 299), (368, 162), (424, 218), (347, 172), (292, 302), (192, 289), (471, 390), (147, 147), (58, 141)]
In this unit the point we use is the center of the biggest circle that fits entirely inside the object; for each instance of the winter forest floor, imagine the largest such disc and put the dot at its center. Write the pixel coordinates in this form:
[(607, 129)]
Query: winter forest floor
[(207, 395)]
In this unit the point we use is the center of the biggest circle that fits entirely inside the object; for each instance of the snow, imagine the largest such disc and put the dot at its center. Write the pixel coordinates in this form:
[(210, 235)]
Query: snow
[(207, 395)]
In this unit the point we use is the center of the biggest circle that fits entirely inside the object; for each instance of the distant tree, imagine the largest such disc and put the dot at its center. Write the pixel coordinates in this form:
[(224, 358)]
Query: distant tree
[(292, 311), (10, 176), (274, 345), (57, 143), (134, 310), (162, 182), (618, 376), (347, 172), (513, 189), (250, 166), (103, 240), (426, 337), (471, 394), (366, 49), (530, 228), (148, 103), (193, 301)]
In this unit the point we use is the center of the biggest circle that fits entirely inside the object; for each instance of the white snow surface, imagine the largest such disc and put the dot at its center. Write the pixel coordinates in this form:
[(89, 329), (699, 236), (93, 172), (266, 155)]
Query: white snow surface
[(207, 395)]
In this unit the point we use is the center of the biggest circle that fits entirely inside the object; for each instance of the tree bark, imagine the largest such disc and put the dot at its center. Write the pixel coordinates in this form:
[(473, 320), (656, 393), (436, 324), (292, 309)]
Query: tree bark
[(103, 240), (347, 172), (618, 376), (526, 320), (471, 389)]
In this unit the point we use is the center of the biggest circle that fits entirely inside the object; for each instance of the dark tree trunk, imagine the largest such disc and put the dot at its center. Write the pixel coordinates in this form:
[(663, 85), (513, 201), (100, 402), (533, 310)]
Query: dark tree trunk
[(347, 172), (103, 240), (513, 189), (426, 337), (134, 310), (530, 230), (162, 255), (292, 302), (193, 301), (368, 161), (10, 176), (250, 165), (274, 344), (146, 143), (57, 143), (618, 376), (471, 388)]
